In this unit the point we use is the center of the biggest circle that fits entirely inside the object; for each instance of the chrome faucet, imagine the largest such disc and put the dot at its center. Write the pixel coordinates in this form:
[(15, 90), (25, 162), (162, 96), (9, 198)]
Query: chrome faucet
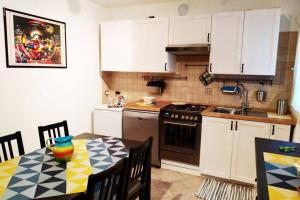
[(244, 96)]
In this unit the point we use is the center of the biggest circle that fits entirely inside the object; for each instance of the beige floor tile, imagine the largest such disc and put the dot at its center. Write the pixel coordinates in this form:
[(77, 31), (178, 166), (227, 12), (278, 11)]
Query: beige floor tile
[(171, 185)]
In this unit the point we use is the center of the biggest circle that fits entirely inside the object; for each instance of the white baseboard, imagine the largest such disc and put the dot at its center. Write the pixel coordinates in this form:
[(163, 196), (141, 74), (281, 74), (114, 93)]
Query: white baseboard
[(181, 167)]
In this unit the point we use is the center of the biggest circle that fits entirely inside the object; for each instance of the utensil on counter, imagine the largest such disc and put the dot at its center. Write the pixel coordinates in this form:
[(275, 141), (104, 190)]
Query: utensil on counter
[(282, 106), (261, 95)]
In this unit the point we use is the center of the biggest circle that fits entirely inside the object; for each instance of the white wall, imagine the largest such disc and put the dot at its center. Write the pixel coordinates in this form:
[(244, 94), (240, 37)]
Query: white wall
[(290, 7), (33, 97)]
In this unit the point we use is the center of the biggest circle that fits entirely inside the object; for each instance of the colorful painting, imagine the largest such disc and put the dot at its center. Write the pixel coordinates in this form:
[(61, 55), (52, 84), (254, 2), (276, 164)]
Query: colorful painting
[(33, 41)]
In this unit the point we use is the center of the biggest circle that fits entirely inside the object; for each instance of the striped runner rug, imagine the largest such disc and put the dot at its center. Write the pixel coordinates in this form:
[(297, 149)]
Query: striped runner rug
[(212, 189)]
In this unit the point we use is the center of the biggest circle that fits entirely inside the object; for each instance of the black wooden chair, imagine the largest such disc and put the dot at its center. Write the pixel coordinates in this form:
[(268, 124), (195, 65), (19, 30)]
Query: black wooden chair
[(8, 139), (107, 185), (138, 172), (53, 131)]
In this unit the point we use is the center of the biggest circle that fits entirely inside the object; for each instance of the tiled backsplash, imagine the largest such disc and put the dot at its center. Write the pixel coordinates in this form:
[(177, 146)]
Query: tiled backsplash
[(191, 90)]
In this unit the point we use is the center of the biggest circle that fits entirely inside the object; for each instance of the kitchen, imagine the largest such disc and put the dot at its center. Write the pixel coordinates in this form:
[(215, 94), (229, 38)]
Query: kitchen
[(216, 70)]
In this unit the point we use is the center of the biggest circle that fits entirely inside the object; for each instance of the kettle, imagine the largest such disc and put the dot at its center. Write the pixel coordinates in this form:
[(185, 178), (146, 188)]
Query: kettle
[(62, 149)]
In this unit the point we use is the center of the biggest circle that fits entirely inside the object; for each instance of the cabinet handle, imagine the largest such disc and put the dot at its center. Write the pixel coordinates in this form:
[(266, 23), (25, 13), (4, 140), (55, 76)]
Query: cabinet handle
[(165, 66), (242, 68), (210, 67), (273, 129), (231, 126), (236, 125), (208, 37)]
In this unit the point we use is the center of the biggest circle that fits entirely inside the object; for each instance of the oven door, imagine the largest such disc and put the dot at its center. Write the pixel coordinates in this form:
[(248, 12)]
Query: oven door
[(180, 141)]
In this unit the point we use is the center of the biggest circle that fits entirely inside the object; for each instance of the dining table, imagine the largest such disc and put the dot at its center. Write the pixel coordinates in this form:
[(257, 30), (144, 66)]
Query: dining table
[(277, 178), (37, 175)]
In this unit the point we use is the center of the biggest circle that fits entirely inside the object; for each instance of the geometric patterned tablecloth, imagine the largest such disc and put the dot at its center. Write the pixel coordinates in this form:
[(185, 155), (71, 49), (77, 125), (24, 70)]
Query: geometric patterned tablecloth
[(282, 177), (38, 175)]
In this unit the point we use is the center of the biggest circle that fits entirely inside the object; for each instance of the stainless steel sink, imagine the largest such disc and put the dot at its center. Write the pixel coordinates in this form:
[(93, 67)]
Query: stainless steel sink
[(232, 111), (235, 111)]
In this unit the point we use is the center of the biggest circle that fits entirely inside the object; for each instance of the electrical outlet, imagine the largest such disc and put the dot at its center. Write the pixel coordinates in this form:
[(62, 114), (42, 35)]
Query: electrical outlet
[(208, 91)]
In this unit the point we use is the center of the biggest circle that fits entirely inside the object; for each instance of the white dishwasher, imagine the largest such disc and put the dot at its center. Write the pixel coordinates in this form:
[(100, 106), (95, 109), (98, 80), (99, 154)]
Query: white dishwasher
[(108, 121)]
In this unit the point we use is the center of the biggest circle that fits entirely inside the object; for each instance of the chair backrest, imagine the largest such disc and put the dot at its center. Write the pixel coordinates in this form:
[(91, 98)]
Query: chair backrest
[(5, 142), (53, 131), (138, 166), (107, 185)]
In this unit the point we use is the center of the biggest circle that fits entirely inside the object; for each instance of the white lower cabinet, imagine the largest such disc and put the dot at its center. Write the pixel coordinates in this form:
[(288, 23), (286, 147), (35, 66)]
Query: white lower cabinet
[(228, 147), (280, 132), (108, 121), (243, 166), (216, 147)]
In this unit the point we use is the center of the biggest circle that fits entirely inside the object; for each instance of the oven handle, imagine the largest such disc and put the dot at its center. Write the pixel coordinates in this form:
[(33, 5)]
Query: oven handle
[(182, 124)]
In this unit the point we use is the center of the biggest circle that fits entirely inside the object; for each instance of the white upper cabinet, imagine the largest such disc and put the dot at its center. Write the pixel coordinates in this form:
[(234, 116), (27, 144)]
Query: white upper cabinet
[(189, 30), (260, 41), (150, 40), (116, 46), (245, 42), (226, 43), (136, 46)]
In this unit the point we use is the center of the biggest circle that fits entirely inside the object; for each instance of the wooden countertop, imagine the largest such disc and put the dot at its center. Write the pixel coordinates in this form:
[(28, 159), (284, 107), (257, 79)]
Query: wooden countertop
[(139, 105), (208, 112)]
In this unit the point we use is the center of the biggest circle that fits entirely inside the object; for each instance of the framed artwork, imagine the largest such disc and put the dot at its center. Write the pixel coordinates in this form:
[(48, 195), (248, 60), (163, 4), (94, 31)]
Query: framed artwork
[(33, 41)]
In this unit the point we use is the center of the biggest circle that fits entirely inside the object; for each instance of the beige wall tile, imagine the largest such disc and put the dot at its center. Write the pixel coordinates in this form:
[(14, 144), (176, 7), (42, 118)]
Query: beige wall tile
[(191, 90)]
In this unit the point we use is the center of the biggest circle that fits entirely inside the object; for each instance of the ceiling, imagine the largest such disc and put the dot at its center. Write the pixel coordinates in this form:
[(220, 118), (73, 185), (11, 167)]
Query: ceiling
[(117, 3)]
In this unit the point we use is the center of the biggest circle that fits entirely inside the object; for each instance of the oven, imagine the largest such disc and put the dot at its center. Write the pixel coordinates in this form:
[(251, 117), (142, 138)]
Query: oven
[(180, 139)]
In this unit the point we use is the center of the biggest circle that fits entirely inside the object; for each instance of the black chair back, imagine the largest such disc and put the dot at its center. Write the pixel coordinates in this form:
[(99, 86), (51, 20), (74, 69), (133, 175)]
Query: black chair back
[(138, 170), (53, 131), (107, 185), (7, 140)]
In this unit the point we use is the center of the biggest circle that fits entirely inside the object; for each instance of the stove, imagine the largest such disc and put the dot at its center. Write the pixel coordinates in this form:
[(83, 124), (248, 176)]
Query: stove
[(180, 133), (186, 113)]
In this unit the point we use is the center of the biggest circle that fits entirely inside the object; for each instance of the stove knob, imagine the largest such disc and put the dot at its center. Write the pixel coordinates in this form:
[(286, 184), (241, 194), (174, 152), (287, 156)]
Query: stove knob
[(187, 117), (176, 116), (182, 117), (196, 118), (191, 118), (172, 116)]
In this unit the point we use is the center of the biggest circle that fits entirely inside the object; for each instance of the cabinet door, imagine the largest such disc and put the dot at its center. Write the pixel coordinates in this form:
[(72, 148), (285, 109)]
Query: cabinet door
[(243, 157), (216, 147), (226, 43), (280, 132), (260, 41), (103, 120), (150, 41), (116, 46), (189, 30)]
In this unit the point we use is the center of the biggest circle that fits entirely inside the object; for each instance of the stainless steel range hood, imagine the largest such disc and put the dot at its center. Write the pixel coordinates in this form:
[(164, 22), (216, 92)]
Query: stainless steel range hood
[(195, 49)]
